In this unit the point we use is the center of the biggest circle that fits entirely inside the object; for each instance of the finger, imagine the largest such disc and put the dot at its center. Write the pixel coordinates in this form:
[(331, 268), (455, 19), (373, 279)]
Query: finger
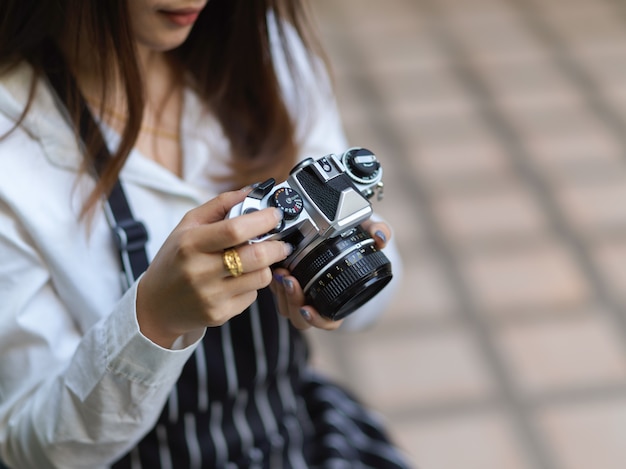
[(257, 256), (295, 300), (223, 234), (252, 281), (237, 305), (314, 319), (280, 294), (304, 316), (215, 209), (381, 233)]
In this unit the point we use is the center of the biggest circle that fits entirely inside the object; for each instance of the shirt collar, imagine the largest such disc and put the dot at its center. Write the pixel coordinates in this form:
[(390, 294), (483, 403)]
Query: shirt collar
[(205, 148)]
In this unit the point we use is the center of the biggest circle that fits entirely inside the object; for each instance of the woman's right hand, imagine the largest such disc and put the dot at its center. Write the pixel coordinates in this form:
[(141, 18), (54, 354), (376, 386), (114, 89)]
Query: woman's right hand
[(187, 288)]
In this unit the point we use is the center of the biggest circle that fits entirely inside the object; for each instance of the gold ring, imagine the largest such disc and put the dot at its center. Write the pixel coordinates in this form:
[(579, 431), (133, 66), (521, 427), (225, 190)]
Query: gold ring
[(232, 262)]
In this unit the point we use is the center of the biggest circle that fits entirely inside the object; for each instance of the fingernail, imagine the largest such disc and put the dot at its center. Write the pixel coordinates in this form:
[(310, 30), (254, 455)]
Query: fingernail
[(288, 285), (380, 235), (279, 214), (288, 248), (305, 314), (250, 187), (278, 278)]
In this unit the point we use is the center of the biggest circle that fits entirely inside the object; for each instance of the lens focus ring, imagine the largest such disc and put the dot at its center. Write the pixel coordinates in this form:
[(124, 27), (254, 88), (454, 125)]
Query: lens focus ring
[(329, 295), (323, 254)]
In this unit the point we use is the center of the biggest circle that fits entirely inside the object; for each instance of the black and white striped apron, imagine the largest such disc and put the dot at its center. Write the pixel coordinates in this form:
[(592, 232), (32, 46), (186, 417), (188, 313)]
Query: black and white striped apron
[(246, 399)]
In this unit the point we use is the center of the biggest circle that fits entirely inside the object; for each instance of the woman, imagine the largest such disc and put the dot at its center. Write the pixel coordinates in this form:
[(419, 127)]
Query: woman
[(191, 364)]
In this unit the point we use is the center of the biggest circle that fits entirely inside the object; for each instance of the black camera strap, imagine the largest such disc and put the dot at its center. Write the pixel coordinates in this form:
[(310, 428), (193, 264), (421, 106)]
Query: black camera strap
[(130, 235)]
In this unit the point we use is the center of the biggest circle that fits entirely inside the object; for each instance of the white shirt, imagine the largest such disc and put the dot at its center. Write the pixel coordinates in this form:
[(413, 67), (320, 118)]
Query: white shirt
[(79, 383)]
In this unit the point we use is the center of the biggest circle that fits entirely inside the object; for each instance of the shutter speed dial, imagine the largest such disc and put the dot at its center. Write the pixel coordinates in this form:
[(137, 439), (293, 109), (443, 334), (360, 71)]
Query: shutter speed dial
[(361, 164), (288, 201)]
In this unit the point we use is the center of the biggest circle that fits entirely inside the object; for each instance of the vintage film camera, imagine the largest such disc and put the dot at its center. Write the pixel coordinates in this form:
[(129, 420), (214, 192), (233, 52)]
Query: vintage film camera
[(324, 201)]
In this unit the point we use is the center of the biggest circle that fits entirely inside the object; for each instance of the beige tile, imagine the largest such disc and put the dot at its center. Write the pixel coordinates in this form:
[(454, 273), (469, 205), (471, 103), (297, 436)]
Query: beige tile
[(408, 369), (493, 35), (529, 86), (558, 122), (479, 441), (394, 46), (544, 277), (614, 92), (483, 215), (595, 207), (495, 30), (592, 24), (587, 435), (501, 56), (414, 53), (467, 128), (402, 215), (563, 353), (563, 8), (537, 101), (422, 94), (595, 48), (425, 293), (355, 109), (556, 155), (606, 70), (594, 56), (444, 161), (584, 144), (473, 17), (357, 16), (468, 6), (610, 257)]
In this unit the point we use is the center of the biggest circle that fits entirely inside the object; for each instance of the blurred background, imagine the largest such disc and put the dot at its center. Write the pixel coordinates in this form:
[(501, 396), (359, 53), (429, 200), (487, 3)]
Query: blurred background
[(501, 125)]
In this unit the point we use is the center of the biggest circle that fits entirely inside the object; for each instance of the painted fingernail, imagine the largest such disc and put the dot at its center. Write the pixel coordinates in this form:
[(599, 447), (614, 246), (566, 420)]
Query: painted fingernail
[(288, 248), (250, 187), (380, 235), (288, 285), (278, 278), (279, 214), (305, 314)]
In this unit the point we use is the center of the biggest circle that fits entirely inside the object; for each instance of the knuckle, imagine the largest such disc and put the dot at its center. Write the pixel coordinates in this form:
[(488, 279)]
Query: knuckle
[(261, 254), (188, 277), (222, 199), (186, 246), (265, 276), (253, 295), (234, 231)]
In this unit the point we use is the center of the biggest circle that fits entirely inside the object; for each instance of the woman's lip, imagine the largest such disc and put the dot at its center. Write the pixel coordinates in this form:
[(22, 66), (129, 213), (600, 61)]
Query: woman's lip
[(184, 17)]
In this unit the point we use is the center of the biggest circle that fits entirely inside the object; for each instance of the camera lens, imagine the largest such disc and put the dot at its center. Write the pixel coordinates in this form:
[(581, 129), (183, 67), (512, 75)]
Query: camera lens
[(342, 273)]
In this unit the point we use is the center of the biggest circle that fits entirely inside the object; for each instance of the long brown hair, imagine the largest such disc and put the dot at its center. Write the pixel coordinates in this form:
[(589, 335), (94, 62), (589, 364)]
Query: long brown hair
[(227, 56)]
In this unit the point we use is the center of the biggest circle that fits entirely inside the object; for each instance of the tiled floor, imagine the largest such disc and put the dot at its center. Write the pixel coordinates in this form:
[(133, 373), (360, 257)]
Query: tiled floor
[(501, 125)]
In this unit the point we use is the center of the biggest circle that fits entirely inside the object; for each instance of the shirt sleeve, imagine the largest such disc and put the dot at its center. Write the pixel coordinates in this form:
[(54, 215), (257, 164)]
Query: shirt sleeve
[(71, 399)]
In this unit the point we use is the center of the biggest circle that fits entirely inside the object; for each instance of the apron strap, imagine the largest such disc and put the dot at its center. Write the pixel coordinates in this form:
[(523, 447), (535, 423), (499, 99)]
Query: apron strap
[(130, 235)]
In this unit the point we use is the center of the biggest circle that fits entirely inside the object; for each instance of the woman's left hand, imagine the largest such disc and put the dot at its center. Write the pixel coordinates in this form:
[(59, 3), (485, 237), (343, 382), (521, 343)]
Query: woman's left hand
[(290, 297)]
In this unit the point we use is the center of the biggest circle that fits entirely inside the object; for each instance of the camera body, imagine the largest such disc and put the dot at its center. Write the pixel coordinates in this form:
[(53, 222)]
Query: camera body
[(324, 201)]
